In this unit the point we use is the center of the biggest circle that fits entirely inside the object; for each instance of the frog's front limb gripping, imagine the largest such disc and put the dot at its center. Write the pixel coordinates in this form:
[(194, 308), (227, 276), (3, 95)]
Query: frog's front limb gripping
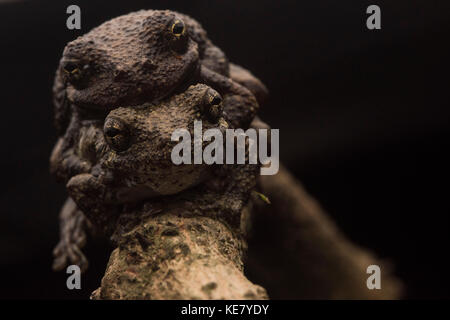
[(95, 200), (73, 235), (240, 105), (252, 83)]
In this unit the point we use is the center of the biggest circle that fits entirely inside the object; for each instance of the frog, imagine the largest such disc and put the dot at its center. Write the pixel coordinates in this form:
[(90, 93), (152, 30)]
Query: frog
[(144, 56), (135, 197), (80, 114), (140, 57), (134, 164)]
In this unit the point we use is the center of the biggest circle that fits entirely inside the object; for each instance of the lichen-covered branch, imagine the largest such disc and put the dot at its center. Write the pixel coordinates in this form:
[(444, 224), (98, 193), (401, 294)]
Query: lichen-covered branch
[(175, 257)]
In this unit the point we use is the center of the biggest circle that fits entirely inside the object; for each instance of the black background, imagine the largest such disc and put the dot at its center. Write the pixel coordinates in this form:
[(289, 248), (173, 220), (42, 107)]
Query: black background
[(363, 118)]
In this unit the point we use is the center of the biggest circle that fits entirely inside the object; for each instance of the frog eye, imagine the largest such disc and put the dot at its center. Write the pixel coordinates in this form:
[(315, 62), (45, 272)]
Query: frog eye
[(212, 105), (178, 28), (116, 134), (75, 72), (70, 67)]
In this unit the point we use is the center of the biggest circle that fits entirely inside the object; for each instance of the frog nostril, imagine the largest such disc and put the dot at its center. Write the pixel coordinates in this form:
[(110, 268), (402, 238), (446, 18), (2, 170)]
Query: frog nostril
[(119, 74), (148, 65)]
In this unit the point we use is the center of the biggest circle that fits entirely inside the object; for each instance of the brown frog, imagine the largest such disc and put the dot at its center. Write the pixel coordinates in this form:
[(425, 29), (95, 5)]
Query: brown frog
[(316, 261), (141, 57), (133, 155), (138, 58)]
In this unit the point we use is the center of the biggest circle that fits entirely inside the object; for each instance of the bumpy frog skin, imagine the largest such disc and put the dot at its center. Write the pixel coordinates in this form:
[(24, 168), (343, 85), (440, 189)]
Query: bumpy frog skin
[(134, 151), (133, 154), (138, 58), (131, 59)]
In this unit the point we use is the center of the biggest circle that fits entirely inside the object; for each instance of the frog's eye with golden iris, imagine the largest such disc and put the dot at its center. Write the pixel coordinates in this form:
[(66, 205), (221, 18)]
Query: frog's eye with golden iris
[(75, 72), (212, 105), (116, 134), (70, 67), (178, 28)]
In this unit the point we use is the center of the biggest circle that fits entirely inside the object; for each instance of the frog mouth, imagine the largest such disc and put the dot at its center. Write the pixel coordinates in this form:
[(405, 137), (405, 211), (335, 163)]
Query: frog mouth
[(137, 193), (190, 77)]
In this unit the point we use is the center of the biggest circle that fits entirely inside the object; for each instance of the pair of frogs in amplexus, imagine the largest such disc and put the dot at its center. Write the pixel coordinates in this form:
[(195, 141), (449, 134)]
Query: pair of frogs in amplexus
[(120, 92)]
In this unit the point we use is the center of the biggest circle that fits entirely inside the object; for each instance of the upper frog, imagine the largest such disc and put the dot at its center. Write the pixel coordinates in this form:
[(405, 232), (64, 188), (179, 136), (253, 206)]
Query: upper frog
[(140, 57)]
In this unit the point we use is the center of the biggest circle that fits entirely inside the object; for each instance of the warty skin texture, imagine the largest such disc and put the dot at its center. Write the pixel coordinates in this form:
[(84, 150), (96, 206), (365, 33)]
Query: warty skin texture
[(141, 57)]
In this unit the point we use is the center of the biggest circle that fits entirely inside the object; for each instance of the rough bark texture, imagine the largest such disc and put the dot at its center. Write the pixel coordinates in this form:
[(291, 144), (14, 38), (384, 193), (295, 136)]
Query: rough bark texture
[(175, 257), (296, 252)]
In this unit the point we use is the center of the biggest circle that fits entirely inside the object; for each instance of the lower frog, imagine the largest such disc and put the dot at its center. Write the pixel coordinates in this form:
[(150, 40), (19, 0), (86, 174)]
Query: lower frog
[(133, 156)]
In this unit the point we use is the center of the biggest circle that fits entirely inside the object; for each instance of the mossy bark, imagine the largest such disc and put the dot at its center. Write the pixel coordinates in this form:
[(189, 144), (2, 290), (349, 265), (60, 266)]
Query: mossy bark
[(169, 256)]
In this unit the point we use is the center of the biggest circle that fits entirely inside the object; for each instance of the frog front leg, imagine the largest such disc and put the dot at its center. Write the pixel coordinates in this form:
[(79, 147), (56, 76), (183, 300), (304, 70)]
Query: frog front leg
[(95, 200), (65, 161), (248, 80), (73, 226), (240, 105)]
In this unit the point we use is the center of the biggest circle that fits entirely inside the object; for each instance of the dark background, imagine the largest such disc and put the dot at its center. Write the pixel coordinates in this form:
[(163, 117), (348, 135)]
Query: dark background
[(363, 118)]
